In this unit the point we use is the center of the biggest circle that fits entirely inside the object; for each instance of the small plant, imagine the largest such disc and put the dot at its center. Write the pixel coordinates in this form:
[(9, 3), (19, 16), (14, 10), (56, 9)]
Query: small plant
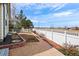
[(69, 50)]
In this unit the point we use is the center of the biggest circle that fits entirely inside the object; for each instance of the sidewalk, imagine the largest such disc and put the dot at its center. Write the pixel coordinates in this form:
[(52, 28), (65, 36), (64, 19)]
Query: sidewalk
[(35, 49), (50, 52)]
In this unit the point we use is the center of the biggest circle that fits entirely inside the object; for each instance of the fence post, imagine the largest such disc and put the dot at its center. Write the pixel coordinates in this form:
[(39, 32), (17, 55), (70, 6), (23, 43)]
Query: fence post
[(65, 37), (52, 33)]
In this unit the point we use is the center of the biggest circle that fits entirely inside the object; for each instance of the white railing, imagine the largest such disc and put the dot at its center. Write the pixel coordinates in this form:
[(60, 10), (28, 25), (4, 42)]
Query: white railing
[(61, 38)]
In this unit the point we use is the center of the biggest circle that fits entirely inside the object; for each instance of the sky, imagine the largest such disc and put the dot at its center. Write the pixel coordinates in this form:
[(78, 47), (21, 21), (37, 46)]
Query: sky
[(50, 14)]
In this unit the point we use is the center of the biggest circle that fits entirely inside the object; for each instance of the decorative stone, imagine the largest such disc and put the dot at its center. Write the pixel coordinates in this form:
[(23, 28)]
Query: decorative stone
[(15, 41)]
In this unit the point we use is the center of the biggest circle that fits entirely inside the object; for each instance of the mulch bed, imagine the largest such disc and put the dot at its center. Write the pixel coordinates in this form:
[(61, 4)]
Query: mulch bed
[(29, 38), (8, 39), (7, 43)]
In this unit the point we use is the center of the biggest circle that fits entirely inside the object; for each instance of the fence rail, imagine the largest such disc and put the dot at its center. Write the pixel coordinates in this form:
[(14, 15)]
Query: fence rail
[(61, 37)]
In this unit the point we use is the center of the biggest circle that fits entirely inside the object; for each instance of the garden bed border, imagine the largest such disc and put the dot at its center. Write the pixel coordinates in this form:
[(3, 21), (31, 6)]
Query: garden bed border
[(14, 45)]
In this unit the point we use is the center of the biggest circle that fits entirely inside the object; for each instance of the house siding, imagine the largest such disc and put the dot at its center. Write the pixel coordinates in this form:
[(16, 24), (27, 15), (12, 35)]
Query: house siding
[(4, 21), (1, 23)]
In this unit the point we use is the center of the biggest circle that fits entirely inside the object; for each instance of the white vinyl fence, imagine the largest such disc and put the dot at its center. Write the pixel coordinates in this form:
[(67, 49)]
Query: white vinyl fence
[(61, 37)]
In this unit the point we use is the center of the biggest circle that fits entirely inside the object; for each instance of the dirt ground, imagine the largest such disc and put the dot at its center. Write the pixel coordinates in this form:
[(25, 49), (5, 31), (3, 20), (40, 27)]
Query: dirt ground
[(34, 48), (30, 48)]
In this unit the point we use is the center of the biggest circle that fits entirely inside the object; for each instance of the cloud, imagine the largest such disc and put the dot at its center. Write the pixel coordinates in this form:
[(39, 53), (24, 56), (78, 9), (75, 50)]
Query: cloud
[(57, 14), (37, 8), (61, 14), (38, 21), (37, 12), (66, 13), (60, 6), (35, 21), (46, 5), (42, 5)]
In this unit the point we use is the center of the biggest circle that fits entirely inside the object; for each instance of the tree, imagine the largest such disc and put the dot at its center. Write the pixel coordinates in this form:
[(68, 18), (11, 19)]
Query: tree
[(18, 25), (20, 20), (20, 16), (29, 24), (23, 22)]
